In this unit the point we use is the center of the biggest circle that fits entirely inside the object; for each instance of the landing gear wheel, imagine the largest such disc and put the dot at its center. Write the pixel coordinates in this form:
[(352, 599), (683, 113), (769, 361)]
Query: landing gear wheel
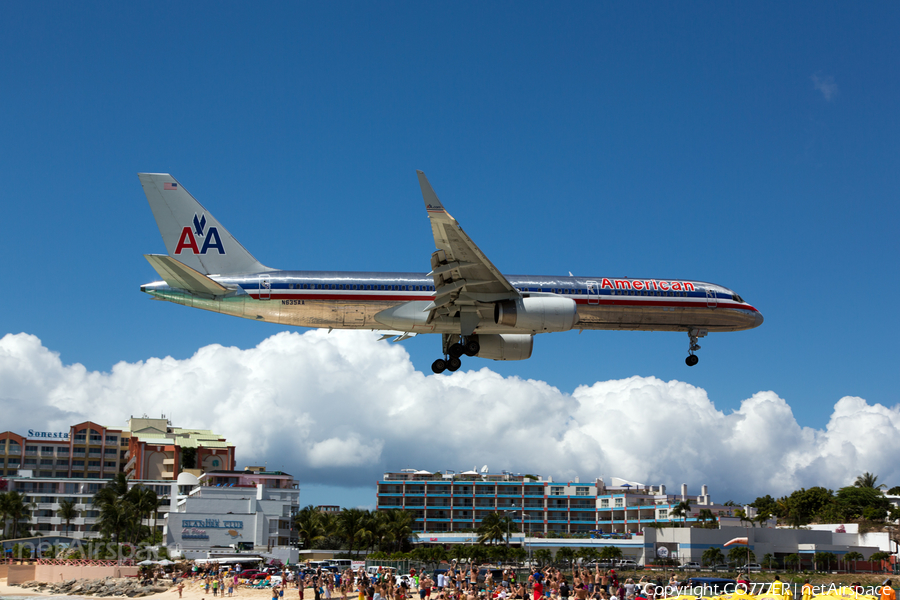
[(439, 366), (453, 363), (691, 360), (472, 348), (456, 350)]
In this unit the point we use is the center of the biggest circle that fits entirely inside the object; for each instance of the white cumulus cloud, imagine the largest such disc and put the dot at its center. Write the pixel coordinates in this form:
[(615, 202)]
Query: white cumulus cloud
[(343, 408)]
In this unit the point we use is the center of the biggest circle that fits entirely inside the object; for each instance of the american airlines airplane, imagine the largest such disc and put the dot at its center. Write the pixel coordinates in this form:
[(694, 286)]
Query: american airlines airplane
[(476, 309)]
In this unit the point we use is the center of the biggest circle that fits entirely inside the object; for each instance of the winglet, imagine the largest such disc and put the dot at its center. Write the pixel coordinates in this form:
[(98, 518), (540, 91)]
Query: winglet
[(432, 204)]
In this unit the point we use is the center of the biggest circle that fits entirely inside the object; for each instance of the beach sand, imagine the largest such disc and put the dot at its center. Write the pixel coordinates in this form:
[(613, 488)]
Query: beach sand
[(192, 591)]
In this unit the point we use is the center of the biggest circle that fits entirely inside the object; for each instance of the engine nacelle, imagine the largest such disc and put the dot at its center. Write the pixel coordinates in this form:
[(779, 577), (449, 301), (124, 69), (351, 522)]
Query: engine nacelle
[(507, 346), (537, 315)]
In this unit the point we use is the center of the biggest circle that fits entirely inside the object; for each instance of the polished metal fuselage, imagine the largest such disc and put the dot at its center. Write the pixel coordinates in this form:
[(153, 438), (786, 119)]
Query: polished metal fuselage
[(351, 300)]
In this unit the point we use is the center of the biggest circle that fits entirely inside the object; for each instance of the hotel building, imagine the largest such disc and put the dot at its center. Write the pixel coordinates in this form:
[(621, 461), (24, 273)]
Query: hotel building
[(449, 501), (143, 449)]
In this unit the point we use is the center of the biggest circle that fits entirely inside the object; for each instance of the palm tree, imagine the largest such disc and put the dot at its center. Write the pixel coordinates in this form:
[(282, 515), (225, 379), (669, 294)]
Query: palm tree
[(351, 524), (610, 553), (400, 527), (868, 480), (145, 502), (67, 512), (542, 555), (853, 556), (494, 528), (308, 522), (712, 556), (768, 560), (15, 506), (707, 516), (792, 560), (683, 510), (116, 509), (565, 554)]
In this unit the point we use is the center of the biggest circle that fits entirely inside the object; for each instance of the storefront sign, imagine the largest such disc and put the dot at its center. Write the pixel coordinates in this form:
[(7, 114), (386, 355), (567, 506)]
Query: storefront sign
[(212, 524), (44, 435)]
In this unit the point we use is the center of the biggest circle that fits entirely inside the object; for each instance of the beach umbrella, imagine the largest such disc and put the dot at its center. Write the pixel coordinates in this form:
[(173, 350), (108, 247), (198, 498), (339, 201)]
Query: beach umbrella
[(146, 563)]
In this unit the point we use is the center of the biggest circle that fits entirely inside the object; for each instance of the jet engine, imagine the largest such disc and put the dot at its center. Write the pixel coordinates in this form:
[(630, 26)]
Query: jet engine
[(507, 346), (538, 315)]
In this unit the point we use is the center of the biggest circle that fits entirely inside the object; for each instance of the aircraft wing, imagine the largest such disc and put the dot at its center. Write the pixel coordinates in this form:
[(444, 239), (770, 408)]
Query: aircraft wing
[(465, 280)]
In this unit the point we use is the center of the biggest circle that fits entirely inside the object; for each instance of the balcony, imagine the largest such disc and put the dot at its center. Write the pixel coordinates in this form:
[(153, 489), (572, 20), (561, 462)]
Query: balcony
[(93, 468), (169, 461)]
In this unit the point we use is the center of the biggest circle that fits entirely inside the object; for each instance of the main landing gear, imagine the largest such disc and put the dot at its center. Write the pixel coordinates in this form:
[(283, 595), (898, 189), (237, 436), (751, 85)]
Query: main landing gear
[(694, 334), (454, 348)]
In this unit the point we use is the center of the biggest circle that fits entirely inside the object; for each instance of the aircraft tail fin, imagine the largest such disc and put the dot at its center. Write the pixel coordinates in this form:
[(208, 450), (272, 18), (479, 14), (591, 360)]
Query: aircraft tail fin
[(191, 233)]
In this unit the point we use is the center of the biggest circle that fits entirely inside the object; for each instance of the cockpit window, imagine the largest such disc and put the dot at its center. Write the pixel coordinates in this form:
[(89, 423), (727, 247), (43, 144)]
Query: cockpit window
[(737, 298)]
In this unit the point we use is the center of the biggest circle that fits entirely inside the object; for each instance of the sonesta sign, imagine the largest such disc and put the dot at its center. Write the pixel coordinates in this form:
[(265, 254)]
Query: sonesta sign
[(56, 435)]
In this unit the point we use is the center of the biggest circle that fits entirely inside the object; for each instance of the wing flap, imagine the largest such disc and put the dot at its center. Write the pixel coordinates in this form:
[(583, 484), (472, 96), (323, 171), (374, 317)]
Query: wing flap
[(179, 275)]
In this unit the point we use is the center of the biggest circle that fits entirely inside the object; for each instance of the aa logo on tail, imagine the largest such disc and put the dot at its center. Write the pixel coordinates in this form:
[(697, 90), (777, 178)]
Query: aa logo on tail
[(189, 237)]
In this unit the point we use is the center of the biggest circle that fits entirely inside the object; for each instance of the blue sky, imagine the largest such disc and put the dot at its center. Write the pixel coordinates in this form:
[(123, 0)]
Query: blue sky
[(752, 145)]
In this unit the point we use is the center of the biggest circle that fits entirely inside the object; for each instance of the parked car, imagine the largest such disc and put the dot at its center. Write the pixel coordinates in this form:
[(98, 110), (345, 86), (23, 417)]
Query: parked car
[(249, 573), (721, 567), (627, 564), (750, 567), (689, 566)]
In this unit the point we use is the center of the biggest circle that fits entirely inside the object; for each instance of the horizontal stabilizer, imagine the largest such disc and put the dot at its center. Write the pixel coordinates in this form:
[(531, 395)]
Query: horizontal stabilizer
[(179, 275)]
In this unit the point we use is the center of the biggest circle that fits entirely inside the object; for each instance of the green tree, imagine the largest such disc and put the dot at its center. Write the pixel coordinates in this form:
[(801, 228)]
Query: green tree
[(565, 555), (894, 491), (588, 554), (611, 553), (708, 518), (805, 505), (352, 527), (852, 557), (868, 480), (683, 510), (741, 555), (879, 557), (309, 524), (712, 556), (765, 503), (792, 560), (768, 561), (494, 528), (543, 556), (117, 508), (861, 502), (67, 512), (188, 458), (824, 560), (15, 507)]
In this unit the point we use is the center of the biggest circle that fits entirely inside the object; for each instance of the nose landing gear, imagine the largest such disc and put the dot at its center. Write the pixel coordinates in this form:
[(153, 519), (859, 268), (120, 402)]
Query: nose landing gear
[(694, 335), (454, 347)]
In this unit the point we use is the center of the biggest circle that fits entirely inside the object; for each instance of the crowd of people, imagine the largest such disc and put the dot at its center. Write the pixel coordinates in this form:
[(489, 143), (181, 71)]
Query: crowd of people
[(462, 582)]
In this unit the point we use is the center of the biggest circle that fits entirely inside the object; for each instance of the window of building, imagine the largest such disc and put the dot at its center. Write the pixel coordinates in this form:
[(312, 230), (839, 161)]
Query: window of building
[(96, 437), (31, 461), (581, 491), (78, 463), (62, 451), (620, 502), (13, 460), (30, 449), (47, 461), (45, 473), (557, 490), (94, 451), (46, 449), (664, 513), (62, 463), (604, 503), (112, 439), (110, 451), (109, 464)]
